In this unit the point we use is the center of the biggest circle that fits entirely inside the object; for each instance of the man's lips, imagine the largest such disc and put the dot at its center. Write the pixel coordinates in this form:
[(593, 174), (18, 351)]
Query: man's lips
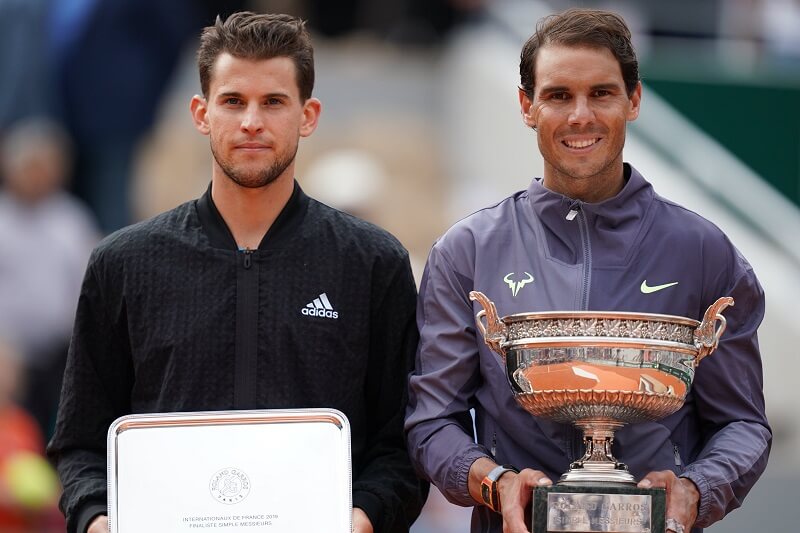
[(252, 146), (582, 143)]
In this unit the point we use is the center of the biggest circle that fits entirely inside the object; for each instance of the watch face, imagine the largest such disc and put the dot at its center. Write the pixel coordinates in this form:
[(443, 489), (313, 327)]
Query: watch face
[(487, 499)]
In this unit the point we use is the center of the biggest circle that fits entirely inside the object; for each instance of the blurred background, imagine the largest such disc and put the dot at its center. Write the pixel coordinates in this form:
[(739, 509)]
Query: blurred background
[(420, 127)]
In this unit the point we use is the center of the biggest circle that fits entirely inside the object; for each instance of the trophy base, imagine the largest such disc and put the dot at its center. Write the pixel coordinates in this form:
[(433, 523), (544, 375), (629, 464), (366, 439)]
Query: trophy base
[(589, 507), (591, 473)]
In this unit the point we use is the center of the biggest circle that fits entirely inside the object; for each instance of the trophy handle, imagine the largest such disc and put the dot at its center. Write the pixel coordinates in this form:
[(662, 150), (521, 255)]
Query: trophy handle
[(706, 338), (494, 332)]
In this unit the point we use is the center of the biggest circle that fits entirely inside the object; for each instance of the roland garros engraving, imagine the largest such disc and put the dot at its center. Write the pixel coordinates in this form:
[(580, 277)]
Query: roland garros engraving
[(229, 486)]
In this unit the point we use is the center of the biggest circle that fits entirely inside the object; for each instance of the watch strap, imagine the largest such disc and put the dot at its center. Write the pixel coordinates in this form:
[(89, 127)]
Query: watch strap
[(489, 492)]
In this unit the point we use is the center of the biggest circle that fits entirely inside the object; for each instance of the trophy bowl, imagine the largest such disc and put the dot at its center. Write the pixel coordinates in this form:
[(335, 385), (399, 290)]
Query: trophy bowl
[(600, 371)]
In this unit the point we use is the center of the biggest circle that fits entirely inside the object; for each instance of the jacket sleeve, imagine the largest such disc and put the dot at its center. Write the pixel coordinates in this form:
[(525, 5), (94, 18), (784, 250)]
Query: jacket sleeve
[(386, 486), (442, 388), (95, 391), (728, 391)]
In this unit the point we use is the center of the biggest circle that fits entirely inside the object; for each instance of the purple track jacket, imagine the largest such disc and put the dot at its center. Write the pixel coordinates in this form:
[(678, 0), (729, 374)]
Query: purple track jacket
[(599, 258)]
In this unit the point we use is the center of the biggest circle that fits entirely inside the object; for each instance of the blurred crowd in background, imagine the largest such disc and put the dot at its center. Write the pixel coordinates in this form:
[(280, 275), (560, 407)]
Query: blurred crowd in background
[(95, 134)]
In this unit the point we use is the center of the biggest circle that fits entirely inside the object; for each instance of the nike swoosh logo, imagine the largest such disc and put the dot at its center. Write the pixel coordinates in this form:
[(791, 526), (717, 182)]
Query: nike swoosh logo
[(646, 289)]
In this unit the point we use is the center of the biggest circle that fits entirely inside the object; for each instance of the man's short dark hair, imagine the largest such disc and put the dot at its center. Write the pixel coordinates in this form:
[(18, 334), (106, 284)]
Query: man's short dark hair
[(249, 35), (581, 27)]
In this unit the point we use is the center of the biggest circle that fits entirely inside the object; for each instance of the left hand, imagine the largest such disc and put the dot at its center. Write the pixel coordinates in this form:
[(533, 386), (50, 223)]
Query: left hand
[(361, 523), (683, 497)]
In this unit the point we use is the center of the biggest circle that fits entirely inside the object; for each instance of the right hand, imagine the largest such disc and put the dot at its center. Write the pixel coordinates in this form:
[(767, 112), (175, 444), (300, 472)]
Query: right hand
[(98, 525), (516, 492)]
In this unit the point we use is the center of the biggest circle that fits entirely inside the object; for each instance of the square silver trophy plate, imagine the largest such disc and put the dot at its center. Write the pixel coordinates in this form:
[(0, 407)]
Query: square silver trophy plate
[(276, 471)]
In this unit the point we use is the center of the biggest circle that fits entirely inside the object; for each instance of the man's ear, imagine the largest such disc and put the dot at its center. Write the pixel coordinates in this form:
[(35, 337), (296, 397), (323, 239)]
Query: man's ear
[(312, 108), (199, 109), (527, 109), (635, 102)]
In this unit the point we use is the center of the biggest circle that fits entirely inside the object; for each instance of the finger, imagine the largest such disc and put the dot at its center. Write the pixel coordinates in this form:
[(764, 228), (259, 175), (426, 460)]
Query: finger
[(675, 526), (514, 522), (515, 526), (99, 525), (681, 504), (534, 478), (660, 479), (527, 480), (513, 507), (521, 493)]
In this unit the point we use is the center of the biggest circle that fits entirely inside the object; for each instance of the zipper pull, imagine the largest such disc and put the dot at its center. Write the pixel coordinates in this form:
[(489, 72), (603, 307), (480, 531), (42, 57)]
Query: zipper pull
[(247, 254), (573, 210), (678, 461)]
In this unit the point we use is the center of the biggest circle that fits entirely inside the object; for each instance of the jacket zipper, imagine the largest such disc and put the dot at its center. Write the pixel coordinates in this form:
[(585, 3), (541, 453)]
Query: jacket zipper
[(678, 460), (576, 211), (244, 392)]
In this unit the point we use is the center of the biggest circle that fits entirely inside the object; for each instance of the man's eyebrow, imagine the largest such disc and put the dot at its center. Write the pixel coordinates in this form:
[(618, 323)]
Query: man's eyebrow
[(236, 94), (563, 88), (607, 86), (554, 89)]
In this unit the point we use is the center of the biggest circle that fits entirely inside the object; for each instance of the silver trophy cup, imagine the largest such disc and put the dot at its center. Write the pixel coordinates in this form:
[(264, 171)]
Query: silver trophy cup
[(600, 371)]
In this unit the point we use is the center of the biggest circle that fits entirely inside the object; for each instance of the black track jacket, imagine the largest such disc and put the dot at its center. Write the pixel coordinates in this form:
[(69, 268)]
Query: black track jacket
[(173, 317)]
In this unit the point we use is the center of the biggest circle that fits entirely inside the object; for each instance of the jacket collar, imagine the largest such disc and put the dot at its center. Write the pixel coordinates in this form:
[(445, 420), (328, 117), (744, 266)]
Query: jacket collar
[(280, 233), (614, 225), (634, 198)]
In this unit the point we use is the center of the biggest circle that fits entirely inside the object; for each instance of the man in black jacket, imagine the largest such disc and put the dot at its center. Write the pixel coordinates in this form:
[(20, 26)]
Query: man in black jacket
[(253, 296)]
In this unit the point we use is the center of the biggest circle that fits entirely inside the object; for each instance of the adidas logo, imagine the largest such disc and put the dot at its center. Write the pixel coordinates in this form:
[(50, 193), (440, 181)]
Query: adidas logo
[(321, 306)]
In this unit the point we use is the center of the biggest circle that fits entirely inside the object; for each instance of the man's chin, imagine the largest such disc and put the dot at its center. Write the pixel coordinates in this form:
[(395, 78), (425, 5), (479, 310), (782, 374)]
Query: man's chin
[(253, 178), (583, 172), (254, 183)]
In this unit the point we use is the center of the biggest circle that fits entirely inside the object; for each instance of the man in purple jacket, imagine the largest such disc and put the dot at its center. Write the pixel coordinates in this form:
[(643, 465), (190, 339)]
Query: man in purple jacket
[(591, 235)]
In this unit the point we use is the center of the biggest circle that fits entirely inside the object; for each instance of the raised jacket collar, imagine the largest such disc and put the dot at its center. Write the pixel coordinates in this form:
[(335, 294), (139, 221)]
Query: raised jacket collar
[(278, 235)]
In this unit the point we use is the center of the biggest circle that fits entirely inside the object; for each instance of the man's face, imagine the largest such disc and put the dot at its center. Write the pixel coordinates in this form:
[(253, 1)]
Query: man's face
[(580, 109), (254, 117)]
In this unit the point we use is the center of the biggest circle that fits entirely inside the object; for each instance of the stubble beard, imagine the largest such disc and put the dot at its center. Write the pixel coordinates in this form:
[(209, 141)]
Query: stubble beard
[(566, 172), (260, 177)]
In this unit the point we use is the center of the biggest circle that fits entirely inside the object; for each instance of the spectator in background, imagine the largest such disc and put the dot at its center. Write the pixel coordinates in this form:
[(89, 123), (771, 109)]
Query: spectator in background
[(46, 237), (417, 22), (24, 66), (28, 485)]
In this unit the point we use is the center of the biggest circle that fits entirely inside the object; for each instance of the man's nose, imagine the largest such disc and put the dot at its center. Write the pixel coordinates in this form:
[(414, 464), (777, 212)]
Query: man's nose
[(252, 122), (581, 112)]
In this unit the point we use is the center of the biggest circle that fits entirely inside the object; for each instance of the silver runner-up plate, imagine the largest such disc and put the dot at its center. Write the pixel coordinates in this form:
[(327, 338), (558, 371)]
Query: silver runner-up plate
[(274, 471)]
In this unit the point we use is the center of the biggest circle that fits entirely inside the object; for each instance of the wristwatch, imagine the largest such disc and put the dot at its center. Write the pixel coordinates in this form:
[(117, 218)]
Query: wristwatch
[(489, 494)]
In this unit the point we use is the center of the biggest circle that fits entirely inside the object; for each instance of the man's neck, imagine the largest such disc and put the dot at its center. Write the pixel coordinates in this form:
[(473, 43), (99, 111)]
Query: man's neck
[(249, 213), (593, 189)]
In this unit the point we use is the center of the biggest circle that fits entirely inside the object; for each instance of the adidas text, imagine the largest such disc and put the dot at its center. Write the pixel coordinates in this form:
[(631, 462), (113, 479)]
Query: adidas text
[(319, 312), (320, 307)]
